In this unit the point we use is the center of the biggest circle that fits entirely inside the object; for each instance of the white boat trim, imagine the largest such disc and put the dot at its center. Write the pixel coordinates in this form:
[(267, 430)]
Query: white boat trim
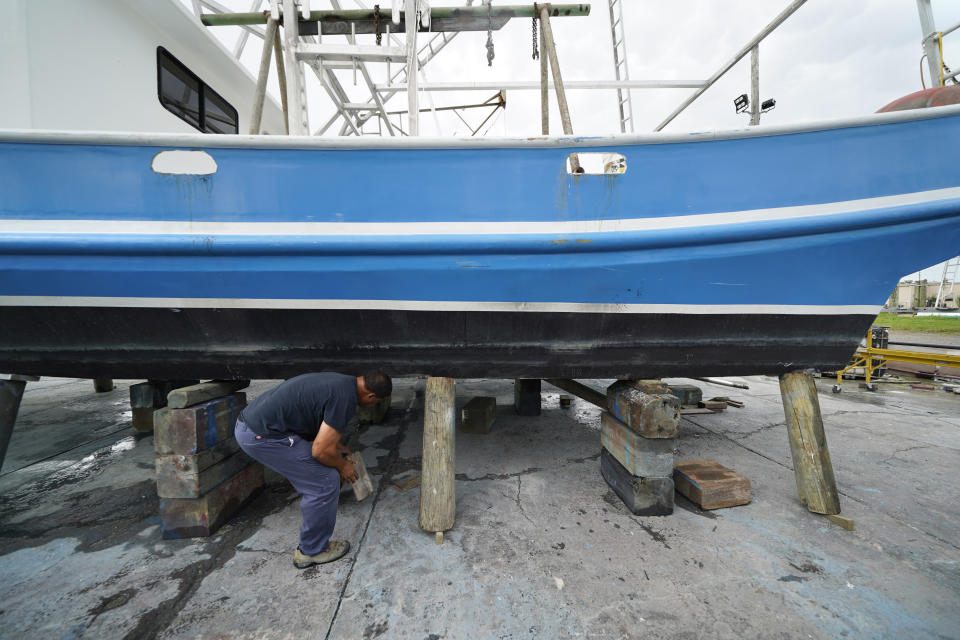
[(437, 305), (550, 227), (201, 140)]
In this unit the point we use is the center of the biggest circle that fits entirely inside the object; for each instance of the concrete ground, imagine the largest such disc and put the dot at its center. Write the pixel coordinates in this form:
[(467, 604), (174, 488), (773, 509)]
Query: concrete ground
[(542, 548)]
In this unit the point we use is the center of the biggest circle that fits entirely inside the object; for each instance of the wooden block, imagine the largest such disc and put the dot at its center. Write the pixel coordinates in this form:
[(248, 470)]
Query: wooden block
[(650, 415), (142, 418), (714, 405), (197, 393), (526, 396), (192, 475), (374, 414), (641, 456), (193, 429), (363, 487), (652, 385), (710, 484), (102, 385), (192, 517), (478, 414), (843, 521), (153, 393), (643, 496), (686, 393)]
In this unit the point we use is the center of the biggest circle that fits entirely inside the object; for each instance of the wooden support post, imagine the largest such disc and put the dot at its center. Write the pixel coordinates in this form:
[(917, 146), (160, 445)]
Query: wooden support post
[(281, 79), (437, 487), (544, 86), (526, 396), (816, 484), (551, 48), (260, 93), (102, 385)]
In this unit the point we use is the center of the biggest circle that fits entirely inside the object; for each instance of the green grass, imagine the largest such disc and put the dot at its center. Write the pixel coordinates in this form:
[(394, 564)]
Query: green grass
[(923, 325)]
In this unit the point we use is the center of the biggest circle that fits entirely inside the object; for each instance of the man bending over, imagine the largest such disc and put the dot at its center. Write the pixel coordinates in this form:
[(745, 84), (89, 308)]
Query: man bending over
[(295, 430)]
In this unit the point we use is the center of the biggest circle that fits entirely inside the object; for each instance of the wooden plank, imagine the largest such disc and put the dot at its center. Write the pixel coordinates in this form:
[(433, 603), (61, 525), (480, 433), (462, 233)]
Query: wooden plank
[(479, 414), (580, 390), (812, 468), (649, 457), (193, 429), (181, 476), (650, 415), (710, 484), (192, 517), (437, 486), (526, 396), (363, 487), (643, 496), (196, 393)]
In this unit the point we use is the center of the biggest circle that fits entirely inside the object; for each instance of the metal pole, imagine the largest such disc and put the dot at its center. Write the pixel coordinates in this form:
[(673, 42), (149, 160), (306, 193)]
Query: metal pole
[(281, 78), (261, 91), (755, 86), (786, 13), (436, 13), (544, 86), (291, 33), (555, 67), (413, 63), (930, 45)]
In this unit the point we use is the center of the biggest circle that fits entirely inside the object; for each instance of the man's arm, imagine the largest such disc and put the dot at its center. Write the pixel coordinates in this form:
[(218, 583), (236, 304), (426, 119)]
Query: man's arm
[(326, 451)]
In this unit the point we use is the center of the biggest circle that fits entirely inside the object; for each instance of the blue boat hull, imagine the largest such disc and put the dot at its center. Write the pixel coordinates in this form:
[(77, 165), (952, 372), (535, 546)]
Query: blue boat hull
[(744, 253)]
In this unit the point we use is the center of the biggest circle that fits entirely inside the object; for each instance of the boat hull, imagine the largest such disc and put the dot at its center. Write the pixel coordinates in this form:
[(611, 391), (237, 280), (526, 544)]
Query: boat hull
[(279, 343), (265, 257)]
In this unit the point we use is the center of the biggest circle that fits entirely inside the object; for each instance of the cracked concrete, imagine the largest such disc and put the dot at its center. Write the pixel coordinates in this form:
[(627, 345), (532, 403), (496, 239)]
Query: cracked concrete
[(541, 546)]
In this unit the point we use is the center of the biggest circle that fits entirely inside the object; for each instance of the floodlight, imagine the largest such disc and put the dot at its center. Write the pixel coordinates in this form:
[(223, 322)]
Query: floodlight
[(768, 105), (741, 102)]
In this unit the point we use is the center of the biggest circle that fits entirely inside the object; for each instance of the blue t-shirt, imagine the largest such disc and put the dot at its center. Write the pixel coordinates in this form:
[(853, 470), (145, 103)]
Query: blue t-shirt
[(300, 404)]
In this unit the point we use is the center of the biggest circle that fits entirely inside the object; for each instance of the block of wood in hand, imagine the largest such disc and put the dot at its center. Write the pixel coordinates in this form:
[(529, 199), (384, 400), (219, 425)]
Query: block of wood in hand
[(710, 484), (363, 487)]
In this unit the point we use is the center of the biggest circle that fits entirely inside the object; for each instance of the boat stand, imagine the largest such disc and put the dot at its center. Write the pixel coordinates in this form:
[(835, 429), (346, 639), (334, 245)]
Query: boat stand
[(438, 506), (816, 484), (11, 393)]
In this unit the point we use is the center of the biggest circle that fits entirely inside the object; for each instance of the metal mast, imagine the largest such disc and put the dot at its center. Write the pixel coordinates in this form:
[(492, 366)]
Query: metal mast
[(624, 103)]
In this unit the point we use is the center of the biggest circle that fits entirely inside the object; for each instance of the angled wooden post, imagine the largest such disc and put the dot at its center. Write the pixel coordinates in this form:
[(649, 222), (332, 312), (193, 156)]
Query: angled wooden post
[(438, 505), (816, 485)]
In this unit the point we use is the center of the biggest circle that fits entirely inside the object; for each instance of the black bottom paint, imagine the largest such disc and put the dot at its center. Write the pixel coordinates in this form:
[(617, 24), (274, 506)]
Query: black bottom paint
[(93, 342)]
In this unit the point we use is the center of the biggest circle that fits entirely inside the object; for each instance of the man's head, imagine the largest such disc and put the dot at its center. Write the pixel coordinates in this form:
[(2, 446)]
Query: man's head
[(372, 387)]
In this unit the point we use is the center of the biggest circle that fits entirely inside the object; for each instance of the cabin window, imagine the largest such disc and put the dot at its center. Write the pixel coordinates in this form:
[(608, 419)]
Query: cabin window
[(185, 95)]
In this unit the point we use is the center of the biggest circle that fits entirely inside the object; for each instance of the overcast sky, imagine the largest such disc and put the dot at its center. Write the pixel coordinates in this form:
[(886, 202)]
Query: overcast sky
[(832, 58)]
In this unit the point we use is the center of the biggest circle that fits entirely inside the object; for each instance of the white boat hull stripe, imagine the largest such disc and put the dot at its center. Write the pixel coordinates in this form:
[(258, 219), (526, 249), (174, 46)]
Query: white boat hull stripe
[(272, 228), (437, 305)]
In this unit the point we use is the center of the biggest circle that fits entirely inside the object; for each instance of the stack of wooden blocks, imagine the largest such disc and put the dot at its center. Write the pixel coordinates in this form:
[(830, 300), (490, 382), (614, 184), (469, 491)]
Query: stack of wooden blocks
[(638, 432), (202, 476)]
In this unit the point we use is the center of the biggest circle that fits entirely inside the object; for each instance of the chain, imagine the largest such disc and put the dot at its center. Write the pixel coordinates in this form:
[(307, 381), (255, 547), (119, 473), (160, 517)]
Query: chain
[(490, 53), (536, 12), (376, 23)]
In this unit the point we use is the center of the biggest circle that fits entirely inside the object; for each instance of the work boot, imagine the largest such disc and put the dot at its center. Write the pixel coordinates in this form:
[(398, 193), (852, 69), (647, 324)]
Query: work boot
[(335, 550)]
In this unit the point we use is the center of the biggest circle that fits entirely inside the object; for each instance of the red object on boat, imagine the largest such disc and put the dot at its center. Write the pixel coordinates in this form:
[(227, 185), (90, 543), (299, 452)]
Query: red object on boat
[(935, 97)]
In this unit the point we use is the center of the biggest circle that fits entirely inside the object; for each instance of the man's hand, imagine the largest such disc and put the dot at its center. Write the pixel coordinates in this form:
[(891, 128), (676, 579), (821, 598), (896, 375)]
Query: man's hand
[(327, 450), (347, 472)]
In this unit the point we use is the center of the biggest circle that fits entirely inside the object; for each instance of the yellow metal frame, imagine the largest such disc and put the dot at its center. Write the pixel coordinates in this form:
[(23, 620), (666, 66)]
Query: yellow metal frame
[(872, 358)]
